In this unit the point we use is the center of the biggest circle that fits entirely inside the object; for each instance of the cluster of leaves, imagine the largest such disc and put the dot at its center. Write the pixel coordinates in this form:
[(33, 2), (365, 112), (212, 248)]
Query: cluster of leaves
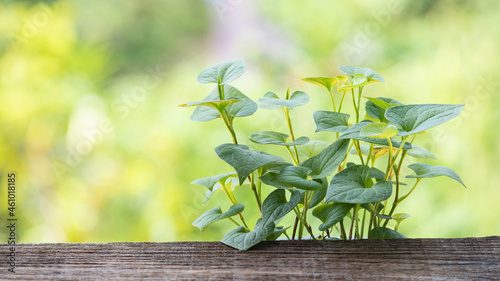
[(356, 190)]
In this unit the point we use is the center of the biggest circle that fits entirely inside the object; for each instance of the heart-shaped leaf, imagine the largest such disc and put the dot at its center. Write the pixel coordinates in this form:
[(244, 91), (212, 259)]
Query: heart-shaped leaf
[(244, 160), (357, 80), (245, 107), (331, 121), (420, 152), (429, 171), (320, 193), (243, 240), (377, 151), (209, 182), (354, 133), (312, 148), (216, 214), (327, 160), (268, 178), (223, 72), (416, 118), (278, 230), (376, 107), (400, 217), (331, 213), (328, 83), (354, 185), (378, 130), (219, 105), (272, 101), (296, 176), (275, 206), (270, 137), (385, 233), (368, 72)]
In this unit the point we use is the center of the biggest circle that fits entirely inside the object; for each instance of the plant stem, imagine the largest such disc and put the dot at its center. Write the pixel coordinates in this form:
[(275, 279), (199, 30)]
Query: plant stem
[(252, 186), (353, 218), (363, 224), (297, 213), (333, 101), (343, 235), (342, 100), (396, 197), (291, 155), (389, 161), (292, 135), (295, 227), (354, 104), (358, 149), (231, 219)]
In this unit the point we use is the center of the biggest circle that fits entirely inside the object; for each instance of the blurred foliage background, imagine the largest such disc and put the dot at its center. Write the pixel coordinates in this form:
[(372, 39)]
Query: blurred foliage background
[(89, 93)]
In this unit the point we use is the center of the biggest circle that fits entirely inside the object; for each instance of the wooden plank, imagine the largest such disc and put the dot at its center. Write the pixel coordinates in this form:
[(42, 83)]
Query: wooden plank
[(411, 259)]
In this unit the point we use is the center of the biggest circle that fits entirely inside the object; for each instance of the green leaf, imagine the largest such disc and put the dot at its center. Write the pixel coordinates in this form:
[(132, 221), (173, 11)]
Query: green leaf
[(209, 182), (354, 133), (429, 171), (219, 105), (327, 160), (270, 137), (354, 185), (209, 193), (275, 206), (243, 240), (353, 70), (320, 193), (420, 152), (400, 217), (331, 213), (378, 130), (376, 107), (312, 148), (245, 107), (325, 82), (357, 80), (331, 121), (416, 118), (216, 214), (272, 101), (244, 160), (296, 176), (268, 178), (275, 167), (278, 230), (385, 233), (377, 151), (223, 72)]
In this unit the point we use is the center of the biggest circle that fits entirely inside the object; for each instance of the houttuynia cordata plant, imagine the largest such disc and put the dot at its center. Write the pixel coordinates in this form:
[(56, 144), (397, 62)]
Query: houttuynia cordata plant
[(353, 185)]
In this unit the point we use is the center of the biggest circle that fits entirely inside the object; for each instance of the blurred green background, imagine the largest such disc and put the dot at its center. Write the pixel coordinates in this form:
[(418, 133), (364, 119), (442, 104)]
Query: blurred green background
[(89, 93)]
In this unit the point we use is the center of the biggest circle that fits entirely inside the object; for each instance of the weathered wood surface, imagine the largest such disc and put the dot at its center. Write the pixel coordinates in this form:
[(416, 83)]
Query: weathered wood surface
[(412, 259)]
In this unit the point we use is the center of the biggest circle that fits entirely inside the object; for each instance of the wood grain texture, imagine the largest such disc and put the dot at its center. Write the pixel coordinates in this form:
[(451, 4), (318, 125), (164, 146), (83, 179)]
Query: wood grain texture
[(410, 259)]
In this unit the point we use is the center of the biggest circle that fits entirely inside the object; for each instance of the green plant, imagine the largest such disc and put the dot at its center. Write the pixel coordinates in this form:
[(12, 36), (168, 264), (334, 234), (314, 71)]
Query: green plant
[(358, 193)]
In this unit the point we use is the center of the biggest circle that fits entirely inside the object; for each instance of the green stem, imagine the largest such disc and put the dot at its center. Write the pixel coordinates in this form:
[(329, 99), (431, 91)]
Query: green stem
[(355, 106), (358, 149), (231, 219), (342, 101), (291, 155), (343, 235), (389, 161), (396, 196), (363, 224), (297, 213), (254, 189), (353, 218), (333, 101), (292, 135)]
